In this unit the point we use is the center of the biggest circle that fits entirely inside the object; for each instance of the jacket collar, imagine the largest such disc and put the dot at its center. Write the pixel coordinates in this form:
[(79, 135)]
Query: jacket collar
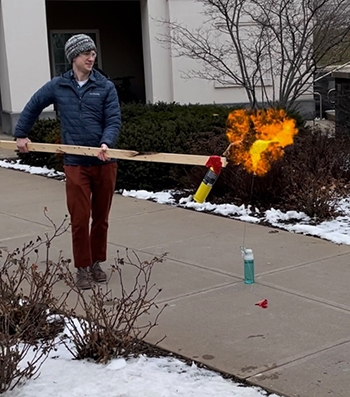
[(92, 75), (95, 77)]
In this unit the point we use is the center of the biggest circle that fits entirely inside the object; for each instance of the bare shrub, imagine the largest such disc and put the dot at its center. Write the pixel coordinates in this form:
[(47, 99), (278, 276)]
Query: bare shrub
[(115, 326), (316, 173), (27, 328), (32, 314), (311, 176)]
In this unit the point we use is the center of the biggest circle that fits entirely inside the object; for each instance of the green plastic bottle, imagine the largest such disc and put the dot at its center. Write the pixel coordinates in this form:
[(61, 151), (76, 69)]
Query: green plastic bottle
[(248, 259)]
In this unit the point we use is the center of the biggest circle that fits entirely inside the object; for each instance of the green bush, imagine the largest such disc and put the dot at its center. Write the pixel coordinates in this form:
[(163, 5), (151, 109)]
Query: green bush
[(45, 131), (169, 128)]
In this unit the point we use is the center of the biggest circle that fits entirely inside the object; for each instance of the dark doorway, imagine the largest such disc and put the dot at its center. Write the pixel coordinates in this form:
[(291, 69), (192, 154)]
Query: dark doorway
[(116, 28)]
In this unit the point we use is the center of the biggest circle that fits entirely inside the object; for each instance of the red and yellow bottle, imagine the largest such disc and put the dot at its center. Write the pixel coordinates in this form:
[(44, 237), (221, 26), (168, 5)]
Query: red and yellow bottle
[(214, 164)]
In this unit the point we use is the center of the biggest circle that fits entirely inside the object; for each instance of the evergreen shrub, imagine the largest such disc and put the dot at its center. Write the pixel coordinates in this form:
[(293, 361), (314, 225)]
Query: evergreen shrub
[(169, 128), (45, 131)]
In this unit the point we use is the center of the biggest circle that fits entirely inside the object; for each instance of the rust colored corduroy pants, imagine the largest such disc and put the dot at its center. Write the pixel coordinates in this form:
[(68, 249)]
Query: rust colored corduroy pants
[(89, 192)]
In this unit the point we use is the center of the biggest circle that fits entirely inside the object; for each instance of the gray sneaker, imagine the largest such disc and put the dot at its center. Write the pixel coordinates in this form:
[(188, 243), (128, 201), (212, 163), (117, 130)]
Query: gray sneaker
[(97, 273), (83, 279)]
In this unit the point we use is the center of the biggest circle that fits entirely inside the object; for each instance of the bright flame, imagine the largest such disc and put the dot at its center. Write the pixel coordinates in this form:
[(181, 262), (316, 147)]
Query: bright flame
[(258, 138)]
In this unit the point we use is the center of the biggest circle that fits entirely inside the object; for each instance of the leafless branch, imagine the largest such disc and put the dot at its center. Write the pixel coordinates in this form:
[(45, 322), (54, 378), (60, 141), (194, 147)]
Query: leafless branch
[(271, 48)]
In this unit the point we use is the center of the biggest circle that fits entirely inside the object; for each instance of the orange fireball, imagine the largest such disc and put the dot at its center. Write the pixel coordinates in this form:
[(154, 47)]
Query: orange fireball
[(259, 138)]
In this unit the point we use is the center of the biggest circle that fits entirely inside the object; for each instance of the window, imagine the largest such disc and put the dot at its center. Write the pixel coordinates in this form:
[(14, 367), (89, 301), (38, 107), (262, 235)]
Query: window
[(58, 38)]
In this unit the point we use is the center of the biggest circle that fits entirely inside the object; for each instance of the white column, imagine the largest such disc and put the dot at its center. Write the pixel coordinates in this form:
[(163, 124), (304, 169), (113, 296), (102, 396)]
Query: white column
[(24, 55), (157, 59)]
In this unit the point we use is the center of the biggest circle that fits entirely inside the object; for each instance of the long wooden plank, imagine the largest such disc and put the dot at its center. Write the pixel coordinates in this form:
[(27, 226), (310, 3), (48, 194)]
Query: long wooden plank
[(170, 158)]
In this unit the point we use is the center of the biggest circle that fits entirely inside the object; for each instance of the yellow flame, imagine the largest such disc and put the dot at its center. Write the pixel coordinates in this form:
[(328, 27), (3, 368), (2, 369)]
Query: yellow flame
[(255, 151), (259, 137)]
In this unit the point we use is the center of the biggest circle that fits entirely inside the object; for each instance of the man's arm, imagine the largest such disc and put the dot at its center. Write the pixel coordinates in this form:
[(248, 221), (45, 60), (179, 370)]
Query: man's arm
[(37, 103), (112, 118)]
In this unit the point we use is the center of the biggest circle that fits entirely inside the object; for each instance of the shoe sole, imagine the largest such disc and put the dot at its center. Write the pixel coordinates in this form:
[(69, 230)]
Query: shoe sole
[(84, 288), (100, 281)]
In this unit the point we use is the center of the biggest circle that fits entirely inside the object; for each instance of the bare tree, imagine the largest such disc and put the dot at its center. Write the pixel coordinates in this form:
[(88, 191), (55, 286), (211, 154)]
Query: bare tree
[(271, 48)]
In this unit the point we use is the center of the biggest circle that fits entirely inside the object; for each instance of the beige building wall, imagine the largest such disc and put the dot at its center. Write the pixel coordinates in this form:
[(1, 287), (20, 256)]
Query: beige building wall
[(189, 13), (24, 57)]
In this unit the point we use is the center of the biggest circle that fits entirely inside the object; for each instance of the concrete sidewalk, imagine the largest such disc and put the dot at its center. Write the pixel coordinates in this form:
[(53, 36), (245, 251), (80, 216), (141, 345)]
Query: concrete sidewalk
[(298, 347)]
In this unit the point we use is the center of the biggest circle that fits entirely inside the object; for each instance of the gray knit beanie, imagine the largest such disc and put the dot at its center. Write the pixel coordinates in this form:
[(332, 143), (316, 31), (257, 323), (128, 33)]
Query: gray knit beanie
[(78, 44)]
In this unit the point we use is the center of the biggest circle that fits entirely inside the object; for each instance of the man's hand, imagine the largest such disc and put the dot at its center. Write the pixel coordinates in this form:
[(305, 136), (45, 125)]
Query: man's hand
[(22, 144), (102, 155)]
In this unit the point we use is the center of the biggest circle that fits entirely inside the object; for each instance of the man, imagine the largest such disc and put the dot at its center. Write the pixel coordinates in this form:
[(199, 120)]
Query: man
[(89, 111)]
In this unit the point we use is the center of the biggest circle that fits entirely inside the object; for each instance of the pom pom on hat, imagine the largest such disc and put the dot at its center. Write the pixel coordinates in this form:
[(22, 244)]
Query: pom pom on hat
[(77, 44)]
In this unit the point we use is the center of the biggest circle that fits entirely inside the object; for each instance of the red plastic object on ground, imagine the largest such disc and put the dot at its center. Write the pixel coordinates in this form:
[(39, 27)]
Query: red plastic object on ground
[(262, 303)]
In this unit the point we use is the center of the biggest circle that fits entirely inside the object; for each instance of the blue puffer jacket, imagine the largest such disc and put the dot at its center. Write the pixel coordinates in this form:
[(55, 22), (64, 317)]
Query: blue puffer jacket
[(89, 115)]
